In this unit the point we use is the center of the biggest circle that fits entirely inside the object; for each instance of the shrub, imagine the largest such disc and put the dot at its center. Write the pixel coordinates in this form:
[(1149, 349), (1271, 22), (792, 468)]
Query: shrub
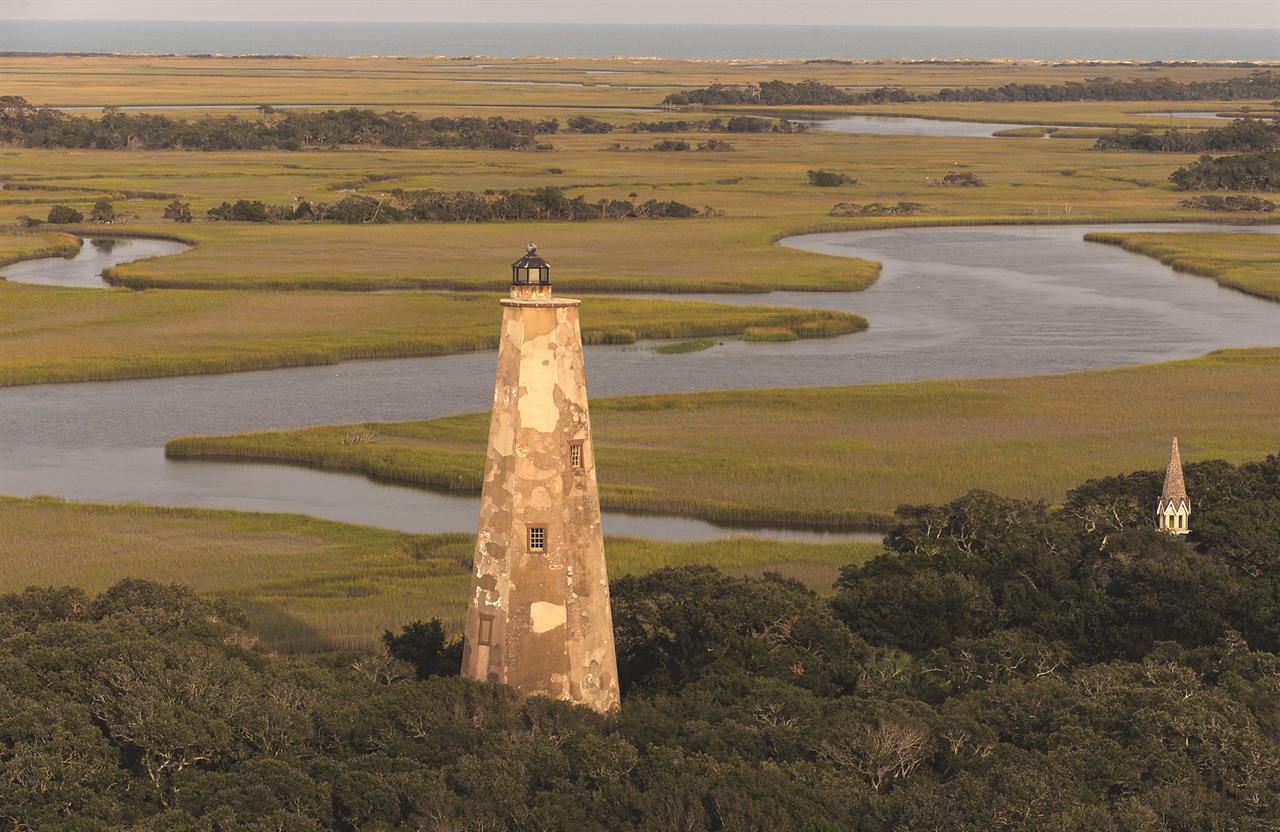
[(587, 124), (103, 212), (829, 179), (178, 211), (669, 145), (64, 215), (874, 209), (964, 179), (243, 210), (1213, 202)]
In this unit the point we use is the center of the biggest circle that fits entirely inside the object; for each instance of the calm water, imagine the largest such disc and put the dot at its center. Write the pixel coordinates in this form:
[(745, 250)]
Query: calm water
[(601, 40), (85, 269), (951, 303), (1207, 114), (908, 126)]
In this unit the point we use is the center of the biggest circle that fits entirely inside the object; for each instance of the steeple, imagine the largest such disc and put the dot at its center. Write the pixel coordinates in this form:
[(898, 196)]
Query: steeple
[(1173, 511)]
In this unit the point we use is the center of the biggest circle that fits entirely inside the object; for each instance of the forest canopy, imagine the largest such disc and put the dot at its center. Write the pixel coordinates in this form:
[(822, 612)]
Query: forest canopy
[(1004, 665)]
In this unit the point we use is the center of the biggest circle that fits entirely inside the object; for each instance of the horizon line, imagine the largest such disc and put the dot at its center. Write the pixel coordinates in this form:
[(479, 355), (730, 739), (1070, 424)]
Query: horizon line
[(547, 23)]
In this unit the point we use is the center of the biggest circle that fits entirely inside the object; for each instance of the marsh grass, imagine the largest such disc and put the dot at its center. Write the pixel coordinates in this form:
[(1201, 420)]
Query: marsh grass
[(683, 347), (53, 334), (1249, 263), (1024, 133), (843, 456), (16, 247), (770, 333), (314, 585)]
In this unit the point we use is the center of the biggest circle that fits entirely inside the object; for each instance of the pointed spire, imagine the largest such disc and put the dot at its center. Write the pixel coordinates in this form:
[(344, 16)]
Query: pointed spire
[(1174, 487)]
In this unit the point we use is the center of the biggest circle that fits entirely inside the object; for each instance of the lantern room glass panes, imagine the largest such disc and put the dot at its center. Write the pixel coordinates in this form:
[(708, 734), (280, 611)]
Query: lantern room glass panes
[(531, 269)]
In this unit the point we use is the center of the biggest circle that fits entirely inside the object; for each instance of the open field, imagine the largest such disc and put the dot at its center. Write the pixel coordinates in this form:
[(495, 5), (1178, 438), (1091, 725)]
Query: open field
[(51, 334), (531, 82), (845, 455), (1247, 263), (312, 585)]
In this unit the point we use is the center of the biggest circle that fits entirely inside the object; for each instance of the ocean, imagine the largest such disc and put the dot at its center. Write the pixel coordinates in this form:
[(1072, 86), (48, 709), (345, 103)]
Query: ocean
[(669, 41)]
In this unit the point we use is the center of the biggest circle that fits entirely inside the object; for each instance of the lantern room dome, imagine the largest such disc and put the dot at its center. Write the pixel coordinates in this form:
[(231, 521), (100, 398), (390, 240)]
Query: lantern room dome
[(531, 269)]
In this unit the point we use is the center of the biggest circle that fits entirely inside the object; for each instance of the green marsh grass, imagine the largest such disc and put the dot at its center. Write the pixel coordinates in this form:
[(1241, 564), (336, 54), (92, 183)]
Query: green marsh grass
[(683, 347), (313, 585), (769, 333), (1249, 263), (52, 334), (16, 247), (843, 456)]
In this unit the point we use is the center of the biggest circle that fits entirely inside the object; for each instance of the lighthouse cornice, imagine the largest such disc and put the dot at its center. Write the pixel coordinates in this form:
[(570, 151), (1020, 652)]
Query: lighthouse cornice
[(541, 303)]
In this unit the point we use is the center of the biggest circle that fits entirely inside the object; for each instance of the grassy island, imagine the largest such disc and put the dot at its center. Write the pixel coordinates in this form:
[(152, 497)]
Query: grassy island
[(841, 456), (1246, 262)]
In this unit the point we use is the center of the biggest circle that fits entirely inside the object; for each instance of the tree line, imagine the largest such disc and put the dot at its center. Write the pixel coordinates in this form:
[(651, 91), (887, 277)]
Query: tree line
[(548, 203), (1004, 666), (1240, 135), (1263, 84), (734, 124), (24, 125), (1244, 172)]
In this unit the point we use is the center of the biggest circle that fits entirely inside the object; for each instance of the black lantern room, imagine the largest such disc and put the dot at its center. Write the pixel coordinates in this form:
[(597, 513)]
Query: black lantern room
[(531, 269)]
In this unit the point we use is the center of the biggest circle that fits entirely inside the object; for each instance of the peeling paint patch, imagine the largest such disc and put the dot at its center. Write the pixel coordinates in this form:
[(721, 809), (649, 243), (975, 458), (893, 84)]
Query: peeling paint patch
[(546, 617)]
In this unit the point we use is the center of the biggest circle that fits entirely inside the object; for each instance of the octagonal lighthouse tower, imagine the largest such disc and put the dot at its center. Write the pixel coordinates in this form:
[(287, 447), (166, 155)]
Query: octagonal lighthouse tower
[(539, 617)]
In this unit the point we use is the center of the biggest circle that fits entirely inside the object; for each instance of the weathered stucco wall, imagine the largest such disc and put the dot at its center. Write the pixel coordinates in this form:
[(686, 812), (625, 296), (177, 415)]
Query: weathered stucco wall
[(552, 631)]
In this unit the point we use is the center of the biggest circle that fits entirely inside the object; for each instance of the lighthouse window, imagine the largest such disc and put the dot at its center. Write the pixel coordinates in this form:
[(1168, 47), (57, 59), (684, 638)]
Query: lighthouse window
[(537, 538), (575, 454), (485, 635)]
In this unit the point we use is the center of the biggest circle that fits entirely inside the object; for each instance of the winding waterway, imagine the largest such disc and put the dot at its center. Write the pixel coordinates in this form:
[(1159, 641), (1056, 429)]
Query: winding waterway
[(951, 303), (913, 126)]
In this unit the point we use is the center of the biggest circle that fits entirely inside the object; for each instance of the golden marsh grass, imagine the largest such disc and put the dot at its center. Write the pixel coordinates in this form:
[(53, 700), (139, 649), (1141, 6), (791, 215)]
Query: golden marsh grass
[(1247, 262), (52, 334)]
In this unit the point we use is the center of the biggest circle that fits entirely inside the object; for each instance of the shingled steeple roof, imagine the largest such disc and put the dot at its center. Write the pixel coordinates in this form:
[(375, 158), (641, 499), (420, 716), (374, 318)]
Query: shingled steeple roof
[(1174, 487)]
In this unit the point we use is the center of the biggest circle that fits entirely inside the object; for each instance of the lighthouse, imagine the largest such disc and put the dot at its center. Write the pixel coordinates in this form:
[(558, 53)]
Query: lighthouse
[(538, 617)]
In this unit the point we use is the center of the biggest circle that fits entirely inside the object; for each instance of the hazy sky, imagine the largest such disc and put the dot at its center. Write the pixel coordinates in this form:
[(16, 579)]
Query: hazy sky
[(1114, 13)]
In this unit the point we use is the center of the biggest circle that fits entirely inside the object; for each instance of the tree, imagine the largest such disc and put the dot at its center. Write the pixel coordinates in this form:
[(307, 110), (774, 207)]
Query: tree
[(427, 647), (64, 215), (178, 211), (103, 212)]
